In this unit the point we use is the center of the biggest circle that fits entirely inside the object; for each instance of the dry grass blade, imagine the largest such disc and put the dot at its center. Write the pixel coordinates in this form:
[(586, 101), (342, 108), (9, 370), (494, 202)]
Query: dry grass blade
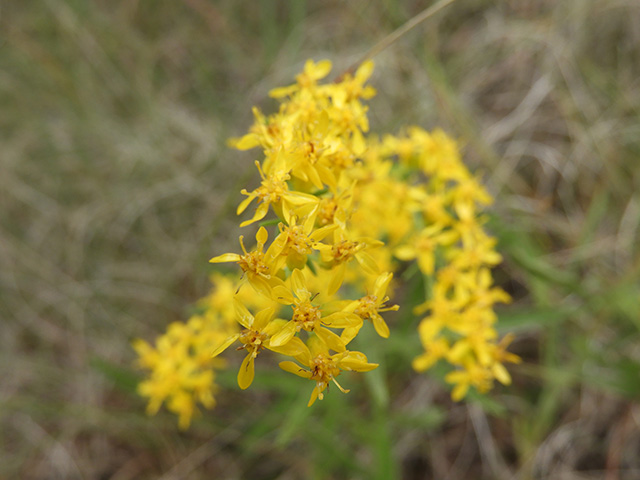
[(399, 32)]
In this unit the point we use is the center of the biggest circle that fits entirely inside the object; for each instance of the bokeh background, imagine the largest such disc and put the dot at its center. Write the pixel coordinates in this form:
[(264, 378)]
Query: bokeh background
[(116, 187)]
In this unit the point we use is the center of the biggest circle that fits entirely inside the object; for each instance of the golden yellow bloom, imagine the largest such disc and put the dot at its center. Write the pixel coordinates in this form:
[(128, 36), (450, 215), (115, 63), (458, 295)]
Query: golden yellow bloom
[(253, 263), (466, 195), (305, 80), (423, 246), (275, 191), (295, 242), (352, 88), (434, 350), (344, 250), (477, 254), (266, 132), (308, 317), (323, 368), (181, 370), (471, 374), (340, 194), (311, 147), (370, 306), (335, 209), (499, 355), (256, 336)]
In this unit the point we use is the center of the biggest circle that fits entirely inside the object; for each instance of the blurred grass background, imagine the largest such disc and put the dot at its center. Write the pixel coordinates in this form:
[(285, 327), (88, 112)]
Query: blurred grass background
[(116, 187)]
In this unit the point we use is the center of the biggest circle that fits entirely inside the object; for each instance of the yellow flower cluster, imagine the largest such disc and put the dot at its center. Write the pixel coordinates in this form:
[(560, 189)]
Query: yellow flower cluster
[(181, 366), (351, 209)]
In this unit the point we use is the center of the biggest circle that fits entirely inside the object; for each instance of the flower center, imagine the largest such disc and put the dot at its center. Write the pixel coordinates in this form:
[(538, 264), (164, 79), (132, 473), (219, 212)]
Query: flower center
[(254, 262), (327, 210), (306, 316), (367, 306), (252, 340), (272, 189), (324, 370), (298, 240), (344, 251), (310, 151)]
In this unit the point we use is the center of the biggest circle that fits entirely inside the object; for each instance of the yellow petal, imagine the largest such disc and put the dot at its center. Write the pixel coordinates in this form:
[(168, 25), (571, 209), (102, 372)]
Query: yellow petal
[(260, 284), (300, 198), (317, 346), (459, 392), (323, 123), (284, 335), (327, 176), (262, 318), (246, 142), (364, 71), (359, 144), (368, 263), (353, 362), (405, 252), (320, 233), (243, 315), (423, 362), (501, 374), (261, 212), (296, 260), (336, 279), (276, 247), (292, 348), (245, 203), (294, 368), (339, 98), (381, 326), (246, 372), (382, 283), (458, 351), (282, 294), (350, 307), (224, 345), (226, 257), (333, 341), (274, 326), (312, 175), (282, 91), (426, 262), (314, 395), (349, 333), (448, 237), (342, 320), (299, 285), (262, 236), (318, 70)]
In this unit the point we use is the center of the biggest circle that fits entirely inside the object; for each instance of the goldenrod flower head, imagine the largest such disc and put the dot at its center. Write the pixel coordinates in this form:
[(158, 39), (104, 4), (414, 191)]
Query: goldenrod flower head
[(342, 251), (253, 263), (305, 80), (309, 317), (295, 242), (339, 194), (471, 374), (181, 370), (323, 368), (254, 338), (370, 306), (423, 245)]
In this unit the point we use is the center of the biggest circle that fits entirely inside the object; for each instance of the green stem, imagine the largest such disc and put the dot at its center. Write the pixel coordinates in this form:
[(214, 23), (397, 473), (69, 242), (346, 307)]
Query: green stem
[(386, 467)]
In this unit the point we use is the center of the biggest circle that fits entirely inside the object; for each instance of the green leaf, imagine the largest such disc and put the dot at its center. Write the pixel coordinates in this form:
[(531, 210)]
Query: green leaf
[(122, 378), (534, 318)]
